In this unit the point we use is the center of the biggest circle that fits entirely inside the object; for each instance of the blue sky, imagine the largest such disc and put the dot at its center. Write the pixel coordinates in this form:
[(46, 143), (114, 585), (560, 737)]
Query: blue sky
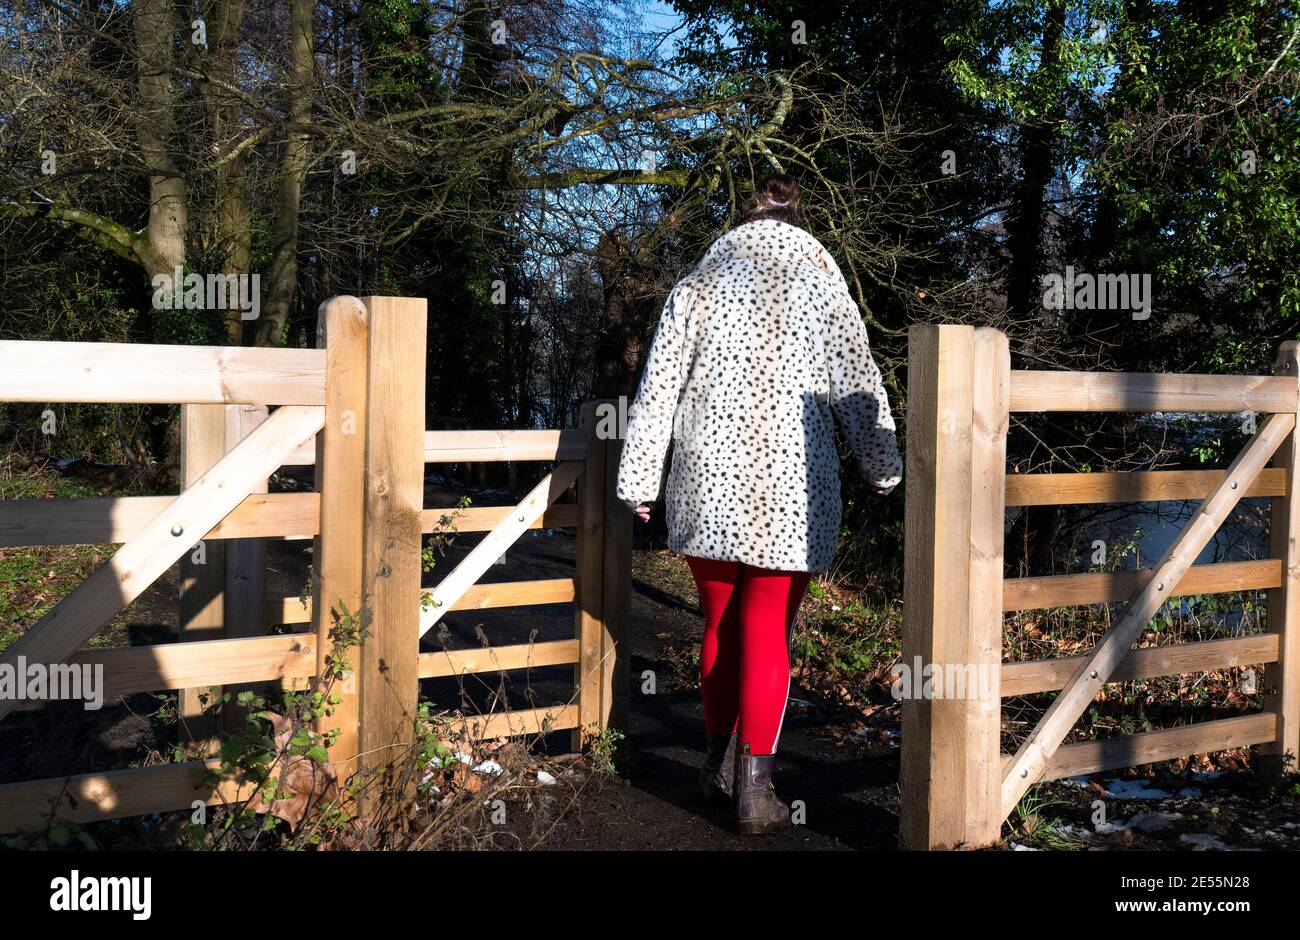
[(659, 17)]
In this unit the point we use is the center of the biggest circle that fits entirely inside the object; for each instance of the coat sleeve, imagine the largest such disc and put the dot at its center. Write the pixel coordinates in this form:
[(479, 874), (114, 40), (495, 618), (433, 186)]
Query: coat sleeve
[(650, 417), (858, 398)]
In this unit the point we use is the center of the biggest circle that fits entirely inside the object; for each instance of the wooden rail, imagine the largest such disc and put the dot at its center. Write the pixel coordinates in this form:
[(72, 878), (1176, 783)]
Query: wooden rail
[(499, 658), (954, 580), (487, 518), (524, 722), (163, 666), (479, 597), (1109, 587), (1148, 747), (1065, 489), (87, 798), (137, 791), (1051, 675), (484, 447), (112, 520), (448, 592), (1130, 391), (47, 373)]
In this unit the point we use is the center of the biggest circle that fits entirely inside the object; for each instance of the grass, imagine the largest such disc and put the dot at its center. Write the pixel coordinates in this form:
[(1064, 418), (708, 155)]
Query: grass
[(33, 579), (1034, 824)]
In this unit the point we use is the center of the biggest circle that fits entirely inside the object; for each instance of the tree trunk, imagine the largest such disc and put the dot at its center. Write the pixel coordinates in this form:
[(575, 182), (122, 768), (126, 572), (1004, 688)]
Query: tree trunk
[(631, 301), (1037, 166), (284, 262), (233, 222), (155, 127)]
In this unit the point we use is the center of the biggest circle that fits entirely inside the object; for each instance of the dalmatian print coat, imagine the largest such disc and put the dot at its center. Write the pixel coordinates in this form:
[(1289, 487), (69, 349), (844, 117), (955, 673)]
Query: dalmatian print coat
[(759, 350)]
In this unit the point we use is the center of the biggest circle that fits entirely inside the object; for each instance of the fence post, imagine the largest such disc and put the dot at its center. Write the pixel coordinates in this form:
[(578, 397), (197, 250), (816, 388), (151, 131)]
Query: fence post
[(990, 419), (1282, 678), (202, 582), (245, 558), (588, 609), (389, 667), (957, 409), (617, 583), (341, 329), (245, 566)]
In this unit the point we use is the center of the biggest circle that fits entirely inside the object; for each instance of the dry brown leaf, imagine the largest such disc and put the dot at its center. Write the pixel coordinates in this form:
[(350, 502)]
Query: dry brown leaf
[(311, 783)]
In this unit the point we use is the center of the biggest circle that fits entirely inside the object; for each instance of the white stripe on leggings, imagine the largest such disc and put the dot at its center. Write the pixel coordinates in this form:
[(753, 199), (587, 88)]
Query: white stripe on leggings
[(789, 642)]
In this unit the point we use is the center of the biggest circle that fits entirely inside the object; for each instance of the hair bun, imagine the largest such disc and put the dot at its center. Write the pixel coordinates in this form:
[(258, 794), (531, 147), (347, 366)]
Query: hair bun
[(780, 190), (776, 197)]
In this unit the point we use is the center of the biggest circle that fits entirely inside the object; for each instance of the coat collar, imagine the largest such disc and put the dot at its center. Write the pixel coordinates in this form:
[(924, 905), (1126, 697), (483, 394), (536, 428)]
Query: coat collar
[(771, 241)]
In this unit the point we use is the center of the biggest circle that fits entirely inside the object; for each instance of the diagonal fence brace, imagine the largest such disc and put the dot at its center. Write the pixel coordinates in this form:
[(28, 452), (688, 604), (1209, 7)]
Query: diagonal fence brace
[(1031, 759)]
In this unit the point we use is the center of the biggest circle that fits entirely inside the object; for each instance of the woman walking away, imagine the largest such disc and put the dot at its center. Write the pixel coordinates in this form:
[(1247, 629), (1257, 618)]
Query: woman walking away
[(758, 347)]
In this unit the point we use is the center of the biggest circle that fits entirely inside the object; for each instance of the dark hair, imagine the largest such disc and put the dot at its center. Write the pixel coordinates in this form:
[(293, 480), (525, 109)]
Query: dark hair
[(776, 197)]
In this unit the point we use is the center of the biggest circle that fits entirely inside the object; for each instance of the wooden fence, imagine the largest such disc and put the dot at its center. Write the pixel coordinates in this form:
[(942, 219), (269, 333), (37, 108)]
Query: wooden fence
[(957, 786), (355, 409)]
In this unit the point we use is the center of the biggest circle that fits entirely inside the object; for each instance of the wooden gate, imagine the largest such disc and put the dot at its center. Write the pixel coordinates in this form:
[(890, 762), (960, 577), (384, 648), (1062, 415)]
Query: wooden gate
[(354, 408), (957, 787)]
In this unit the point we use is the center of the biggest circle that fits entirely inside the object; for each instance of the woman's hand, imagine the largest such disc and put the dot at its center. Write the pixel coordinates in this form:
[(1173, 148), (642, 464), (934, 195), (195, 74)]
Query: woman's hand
[(642, 512)]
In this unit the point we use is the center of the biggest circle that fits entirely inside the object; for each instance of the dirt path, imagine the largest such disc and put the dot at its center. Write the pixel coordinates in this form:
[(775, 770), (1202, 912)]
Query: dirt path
[(848, 791)]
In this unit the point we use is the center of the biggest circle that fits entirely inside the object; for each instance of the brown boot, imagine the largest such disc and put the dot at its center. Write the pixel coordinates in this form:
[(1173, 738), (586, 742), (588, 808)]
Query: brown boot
[(757, 808), (715, 775)]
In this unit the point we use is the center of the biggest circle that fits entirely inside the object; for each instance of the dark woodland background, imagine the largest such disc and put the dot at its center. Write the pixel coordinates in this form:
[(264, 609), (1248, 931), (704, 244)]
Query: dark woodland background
[(543, 171)]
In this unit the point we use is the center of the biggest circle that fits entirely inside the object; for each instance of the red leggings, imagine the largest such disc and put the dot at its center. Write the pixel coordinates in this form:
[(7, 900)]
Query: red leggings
[(745, 656)]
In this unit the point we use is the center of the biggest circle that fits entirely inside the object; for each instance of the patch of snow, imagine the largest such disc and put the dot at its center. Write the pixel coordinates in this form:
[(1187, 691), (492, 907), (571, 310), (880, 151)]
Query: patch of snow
[(1017, 847), (488, 767), (891, 734), (545, 779), (1202, 841), (1145, 822), (1150, 822), (1134, 790)]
